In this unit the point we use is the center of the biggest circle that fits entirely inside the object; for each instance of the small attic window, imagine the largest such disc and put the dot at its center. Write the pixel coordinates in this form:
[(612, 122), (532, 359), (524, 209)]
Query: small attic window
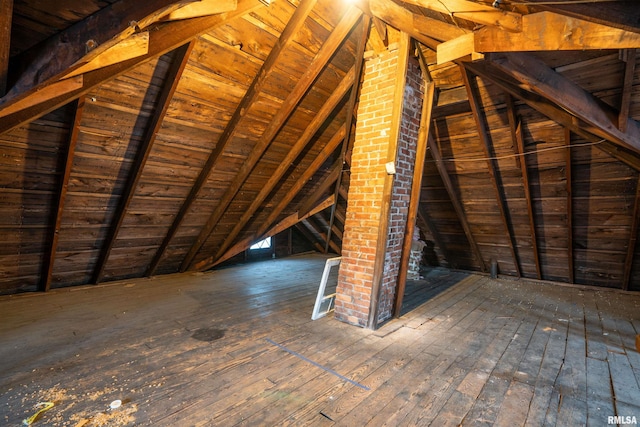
[(262, 244)]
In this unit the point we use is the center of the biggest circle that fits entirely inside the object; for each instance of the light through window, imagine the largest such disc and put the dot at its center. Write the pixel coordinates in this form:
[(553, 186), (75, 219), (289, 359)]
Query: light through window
[(262, 244)]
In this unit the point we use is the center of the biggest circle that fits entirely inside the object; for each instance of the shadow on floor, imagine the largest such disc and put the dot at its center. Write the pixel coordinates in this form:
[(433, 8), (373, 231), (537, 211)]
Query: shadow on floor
[(433, 281)]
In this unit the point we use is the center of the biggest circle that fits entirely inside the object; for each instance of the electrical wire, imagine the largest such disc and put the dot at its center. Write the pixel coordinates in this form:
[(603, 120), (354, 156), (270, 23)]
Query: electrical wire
[(511, 156)]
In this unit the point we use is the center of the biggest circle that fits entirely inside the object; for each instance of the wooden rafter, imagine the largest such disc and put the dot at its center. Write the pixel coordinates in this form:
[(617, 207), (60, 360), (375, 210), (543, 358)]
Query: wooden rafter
[(474, 12), (293, 26), (165, 38), (627, 86), (633, 236), (487, 146), (319, 119), (455, 201), (267, 228), (169, 88), (328, 182), (319, 62), (535, 76), (426, 30), (317, 229), (351, 106), (74, 47), (49, 259), (305, 229), (568, 173), (202, 8), (425, 220), (544, 106), (515, 126), (6, 16)]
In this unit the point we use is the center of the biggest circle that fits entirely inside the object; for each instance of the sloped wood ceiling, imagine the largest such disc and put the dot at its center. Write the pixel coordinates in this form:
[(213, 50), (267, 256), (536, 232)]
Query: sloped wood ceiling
[(142, 139)]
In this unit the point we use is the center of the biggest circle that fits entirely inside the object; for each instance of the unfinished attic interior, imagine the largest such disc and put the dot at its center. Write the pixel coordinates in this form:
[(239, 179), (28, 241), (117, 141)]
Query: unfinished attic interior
[(474, 165)]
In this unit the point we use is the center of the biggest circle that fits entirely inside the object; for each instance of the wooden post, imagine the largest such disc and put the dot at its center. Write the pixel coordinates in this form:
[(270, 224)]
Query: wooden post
[(6, 16)]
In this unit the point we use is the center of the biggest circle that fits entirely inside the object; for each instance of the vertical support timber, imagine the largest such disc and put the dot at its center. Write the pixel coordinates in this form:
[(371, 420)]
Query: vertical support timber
[(47, 264), (631, 248), (6, 16), (627, 86), (567, 142), (483, 133)]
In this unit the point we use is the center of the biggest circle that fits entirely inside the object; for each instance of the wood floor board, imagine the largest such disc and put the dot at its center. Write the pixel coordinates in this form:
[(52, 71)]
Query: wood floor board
[(196, 349)]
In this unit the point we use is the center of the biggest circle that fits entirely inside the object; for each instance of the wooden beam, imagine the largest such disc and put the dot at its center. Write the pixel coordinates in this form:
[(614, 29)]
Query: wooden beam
[(202, 8), (455, 201), (165, 38), (627, 87), (351, 107), (457, 48), (425, 220), (319, 62), (53, 90), (129, 48), (288, 222), (304, 228), (633, 236), (483, 133), (544, 106), (310, 131), (517, 138), (427, 31), (552, 31), (535, 76), (416, 188), (49, 259), (79, 44), (568, 174), (6, 17), (474, 12), (172, 79), (286, 37), (328, 182)]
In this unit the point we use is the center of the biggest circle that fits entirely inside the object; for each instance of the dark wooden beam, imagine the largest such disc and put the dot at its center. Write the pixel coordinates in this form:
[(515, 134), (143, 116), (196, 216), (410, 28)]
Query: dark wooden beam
[(424, 220), (304, 229), (319, 62), (627, 87), (274, 180), (293, 26), (6, 16), (49, 259), (351, 106), (487, 71), (568, 173), (487, 146), (633, 236), (515, 126), (535, 76), (162, 39), (77, 45), (169, 88), (455, 201), (328, 182), (416, 187)]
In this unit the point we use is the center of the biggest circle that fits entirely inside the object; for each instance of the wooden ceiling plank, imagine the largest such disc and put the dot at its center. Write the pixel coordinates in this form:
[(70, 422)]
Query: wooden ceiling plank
[(169, 88), (427, 31), (293, 26), (569, 179), (487, 146), (517, 137), (548, 31), (6, 17), (538, 78), (474, 12), (455, 201), (633, 236), (48, 261), (202, 8), (627, 87), (163, 39), (319, 119), (319, 62), (544, 106), (351, 108), (69, 49)]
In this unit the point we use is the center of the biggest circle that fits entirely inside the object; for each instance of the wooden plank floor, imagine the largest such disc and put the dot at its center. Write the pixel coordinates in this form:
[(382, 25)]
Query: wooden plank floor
[(198, 350)]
